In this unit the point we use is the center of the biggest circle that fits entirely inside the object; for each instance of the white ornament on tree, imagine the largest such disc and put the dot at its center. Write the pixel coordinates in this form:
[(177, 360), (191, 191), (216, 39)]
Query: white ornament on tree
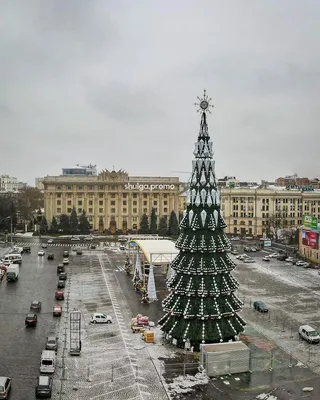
[(203, 217)]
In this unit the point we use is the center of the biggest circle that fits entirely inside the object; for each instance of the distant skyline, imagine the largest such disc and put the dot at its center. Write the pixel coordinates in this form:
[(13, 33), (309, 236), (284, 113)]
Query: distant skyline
[(114, 82)]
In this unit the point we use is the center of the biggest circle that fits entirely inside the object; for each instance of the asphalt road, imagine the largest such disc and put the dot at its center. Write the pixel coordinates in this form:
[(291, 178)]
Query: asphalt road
[(20, 347)]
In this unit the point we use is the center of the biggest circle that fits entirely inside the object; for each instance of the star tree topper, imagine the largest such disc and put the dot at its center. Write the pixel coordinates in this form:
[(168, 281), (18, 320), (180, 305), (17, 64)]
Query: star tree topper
[(204, 103)]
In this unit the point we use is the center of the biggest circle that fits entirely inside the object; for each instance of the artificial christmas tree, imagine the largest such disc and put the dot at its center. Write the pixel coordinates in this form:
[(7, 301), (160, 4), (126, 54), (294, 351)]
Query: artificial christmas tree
[(202, 306)]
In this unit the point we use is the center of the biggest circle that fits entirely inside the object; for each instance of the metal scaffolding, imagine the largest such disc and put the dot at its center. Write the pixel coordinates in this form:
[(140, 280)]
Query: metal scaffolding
[(75, 333)]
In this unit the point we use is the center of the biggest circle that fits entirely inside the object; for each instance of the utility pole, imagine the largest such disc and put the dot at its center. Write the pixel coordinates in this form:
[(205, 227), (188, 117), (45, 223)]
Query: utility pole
[(11, 226)]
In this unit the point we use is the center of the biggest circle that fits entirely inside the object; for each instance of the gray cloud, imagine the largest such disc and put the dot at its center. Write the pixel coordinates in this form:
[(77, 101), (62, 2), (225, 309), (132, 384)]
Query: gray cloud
[(79, 79)]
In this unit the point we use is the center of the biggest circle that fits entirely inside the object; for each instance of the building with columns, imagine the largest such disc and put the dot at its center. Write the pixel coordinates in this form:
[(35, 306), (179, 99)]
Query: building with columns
[(248, 210), (112, 200)]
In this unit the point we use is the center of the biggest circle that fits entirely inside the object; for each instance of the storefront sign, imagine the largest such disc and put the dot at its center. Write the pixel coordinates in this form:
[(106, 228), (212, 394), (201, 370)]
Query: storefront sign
[(143, 186), (310, 221)]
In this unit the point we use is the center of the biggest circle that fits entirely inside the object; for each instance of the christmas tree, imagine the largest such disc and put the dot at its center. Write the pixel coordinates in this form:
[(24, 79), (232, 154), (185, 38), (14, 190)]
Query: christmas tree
[(202, 306)]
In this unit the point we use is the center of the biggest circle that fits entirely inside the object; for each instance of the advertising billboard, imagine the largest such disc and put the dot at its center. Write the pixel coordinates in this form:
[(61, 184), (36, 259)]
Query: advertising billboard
[(310, 239), (310, 221)]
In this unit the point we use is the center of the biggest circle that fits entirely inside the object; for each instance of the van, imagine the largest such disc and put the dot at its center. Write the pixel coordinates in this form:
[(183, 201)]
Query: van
[(48, 362), (13, 258), (309, 334)]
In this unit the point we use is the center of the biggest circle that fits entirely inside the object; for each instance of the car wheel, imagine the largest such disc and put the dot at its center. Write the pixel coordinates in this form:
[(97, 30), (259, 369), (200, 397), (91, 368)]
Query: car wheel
[(108, 322), (94, 322)]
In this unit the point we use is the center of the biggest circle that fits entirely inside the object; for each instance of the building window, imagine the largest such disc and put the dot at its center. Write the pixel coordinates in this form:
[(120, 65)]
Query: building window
[(124, 203), (124, 211), (134, 211), (59, 203), (90, 202), (112, 202), (145, 195), (80, 187), (155, 203), (59, 210), (134, 195), (134, 219), (69, 187), (100, 195), (100, 202), (145, 210), (59, 195), (90, 187), (69, 202), (101, 210), (79, 210), (113, 195), (58, 187), (113, 210), (79, 202), (90, 210), (145, 203), (124, 195), (165, 210), (165, 196), (134, 202), (69, 210), (250, 223), (69, 195), (165, 203), (235, 222)]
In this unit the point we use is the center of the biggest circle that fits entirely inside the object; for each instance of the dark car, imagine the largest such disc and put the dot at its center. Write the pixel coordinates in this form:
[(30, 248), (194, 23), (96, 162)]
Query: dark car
[(66, 253), (31, 320), (79, 252), (282, 257), (93, 246), (63, 276), (61, 284), (260, 306), (50, 256), (35, 305), (59, 295), (26, 249), (44, 387), (52, 343), (57, 310), (60, 268)]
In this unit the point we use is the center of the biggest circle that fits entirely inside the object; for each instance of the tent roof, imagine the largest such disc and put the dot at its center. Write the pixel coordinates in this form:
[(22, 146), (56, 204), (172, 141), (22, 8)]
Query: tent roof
[(157, 251)]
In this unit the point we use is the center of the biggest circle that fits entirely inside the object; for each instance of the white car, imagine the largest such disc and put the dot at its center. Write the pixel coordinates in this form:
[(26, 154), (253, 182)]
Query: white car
[(75, 239), (88, 238), (41, 253), (248, 260), (65, 261), (273, 255), (266, 258), (309, 334), (5, 386), (50, 241), (99, 318)]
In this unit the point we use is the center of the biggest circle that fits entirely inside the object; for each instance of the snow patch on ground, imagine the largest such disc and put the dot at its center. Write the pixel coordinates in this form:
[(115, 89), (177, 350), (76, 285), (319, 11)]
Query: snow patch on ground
[(185, 384), (266, 396)]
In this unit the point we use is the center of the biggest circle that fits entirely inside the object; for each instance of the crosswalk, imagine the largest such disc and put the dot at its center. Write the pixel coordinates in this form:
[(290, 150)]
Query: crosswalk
[(21, 244)]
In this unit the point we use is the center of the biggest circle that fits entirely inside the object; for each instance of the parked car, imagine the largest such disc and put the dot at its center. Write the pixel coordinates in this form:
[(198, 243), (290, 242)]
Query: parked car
[(93, 246), (31, 320), (79, 252), (99, 318), (87, 238), (253, 249), (247, 249), (50, 241), (75, 239), (289, 259), (44, 245), (281, 257), (61, 284), (52, 343), (5, 386), (44, 387), (60, 268), (57, 311), (65, 253), (260, 306), (59, 295), (50, 256), (248, 260), (234, 252), (309, 334), (65, 261), (266, 258), (274, 255), (35, 305), (63, 276), (41, 253)]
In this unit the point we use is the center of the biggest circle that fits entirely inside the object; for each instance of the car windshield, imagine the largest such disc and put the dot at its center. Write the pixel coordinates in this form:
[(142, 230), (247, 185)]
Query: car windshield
[(313, 333), (1, 389), (51, 341), (30, 316), (46, 362)]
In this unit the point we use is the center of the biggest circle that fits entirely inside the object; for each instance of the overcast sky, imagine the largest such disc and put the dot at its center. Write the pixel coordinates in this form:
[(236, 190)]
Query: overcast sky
[(113, 83)]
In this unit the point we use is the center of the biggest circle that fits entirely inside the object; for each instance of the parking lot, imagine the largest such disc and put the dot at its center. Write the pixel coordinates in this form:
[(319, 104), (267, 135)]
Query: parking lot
[(114, 363)]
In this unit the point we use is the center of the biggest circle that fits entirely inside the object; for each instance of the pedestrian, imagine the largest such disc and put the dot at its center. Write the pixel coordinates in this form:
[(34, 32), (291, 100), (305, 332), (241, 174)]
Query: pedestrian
[(80, 345)]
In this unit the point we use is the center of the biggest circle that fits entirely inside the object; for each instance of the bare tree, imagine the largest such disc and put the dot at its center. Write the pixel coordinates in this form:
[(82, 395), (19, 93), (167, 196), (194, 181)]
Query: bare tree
[(275, 223)]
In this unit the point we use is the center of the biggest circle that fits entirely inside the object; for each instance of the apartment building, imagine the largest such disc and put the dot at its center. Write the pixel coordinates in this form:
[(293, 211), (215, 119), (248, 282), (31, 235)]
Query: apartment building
[(112, 200), (248, 210)]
